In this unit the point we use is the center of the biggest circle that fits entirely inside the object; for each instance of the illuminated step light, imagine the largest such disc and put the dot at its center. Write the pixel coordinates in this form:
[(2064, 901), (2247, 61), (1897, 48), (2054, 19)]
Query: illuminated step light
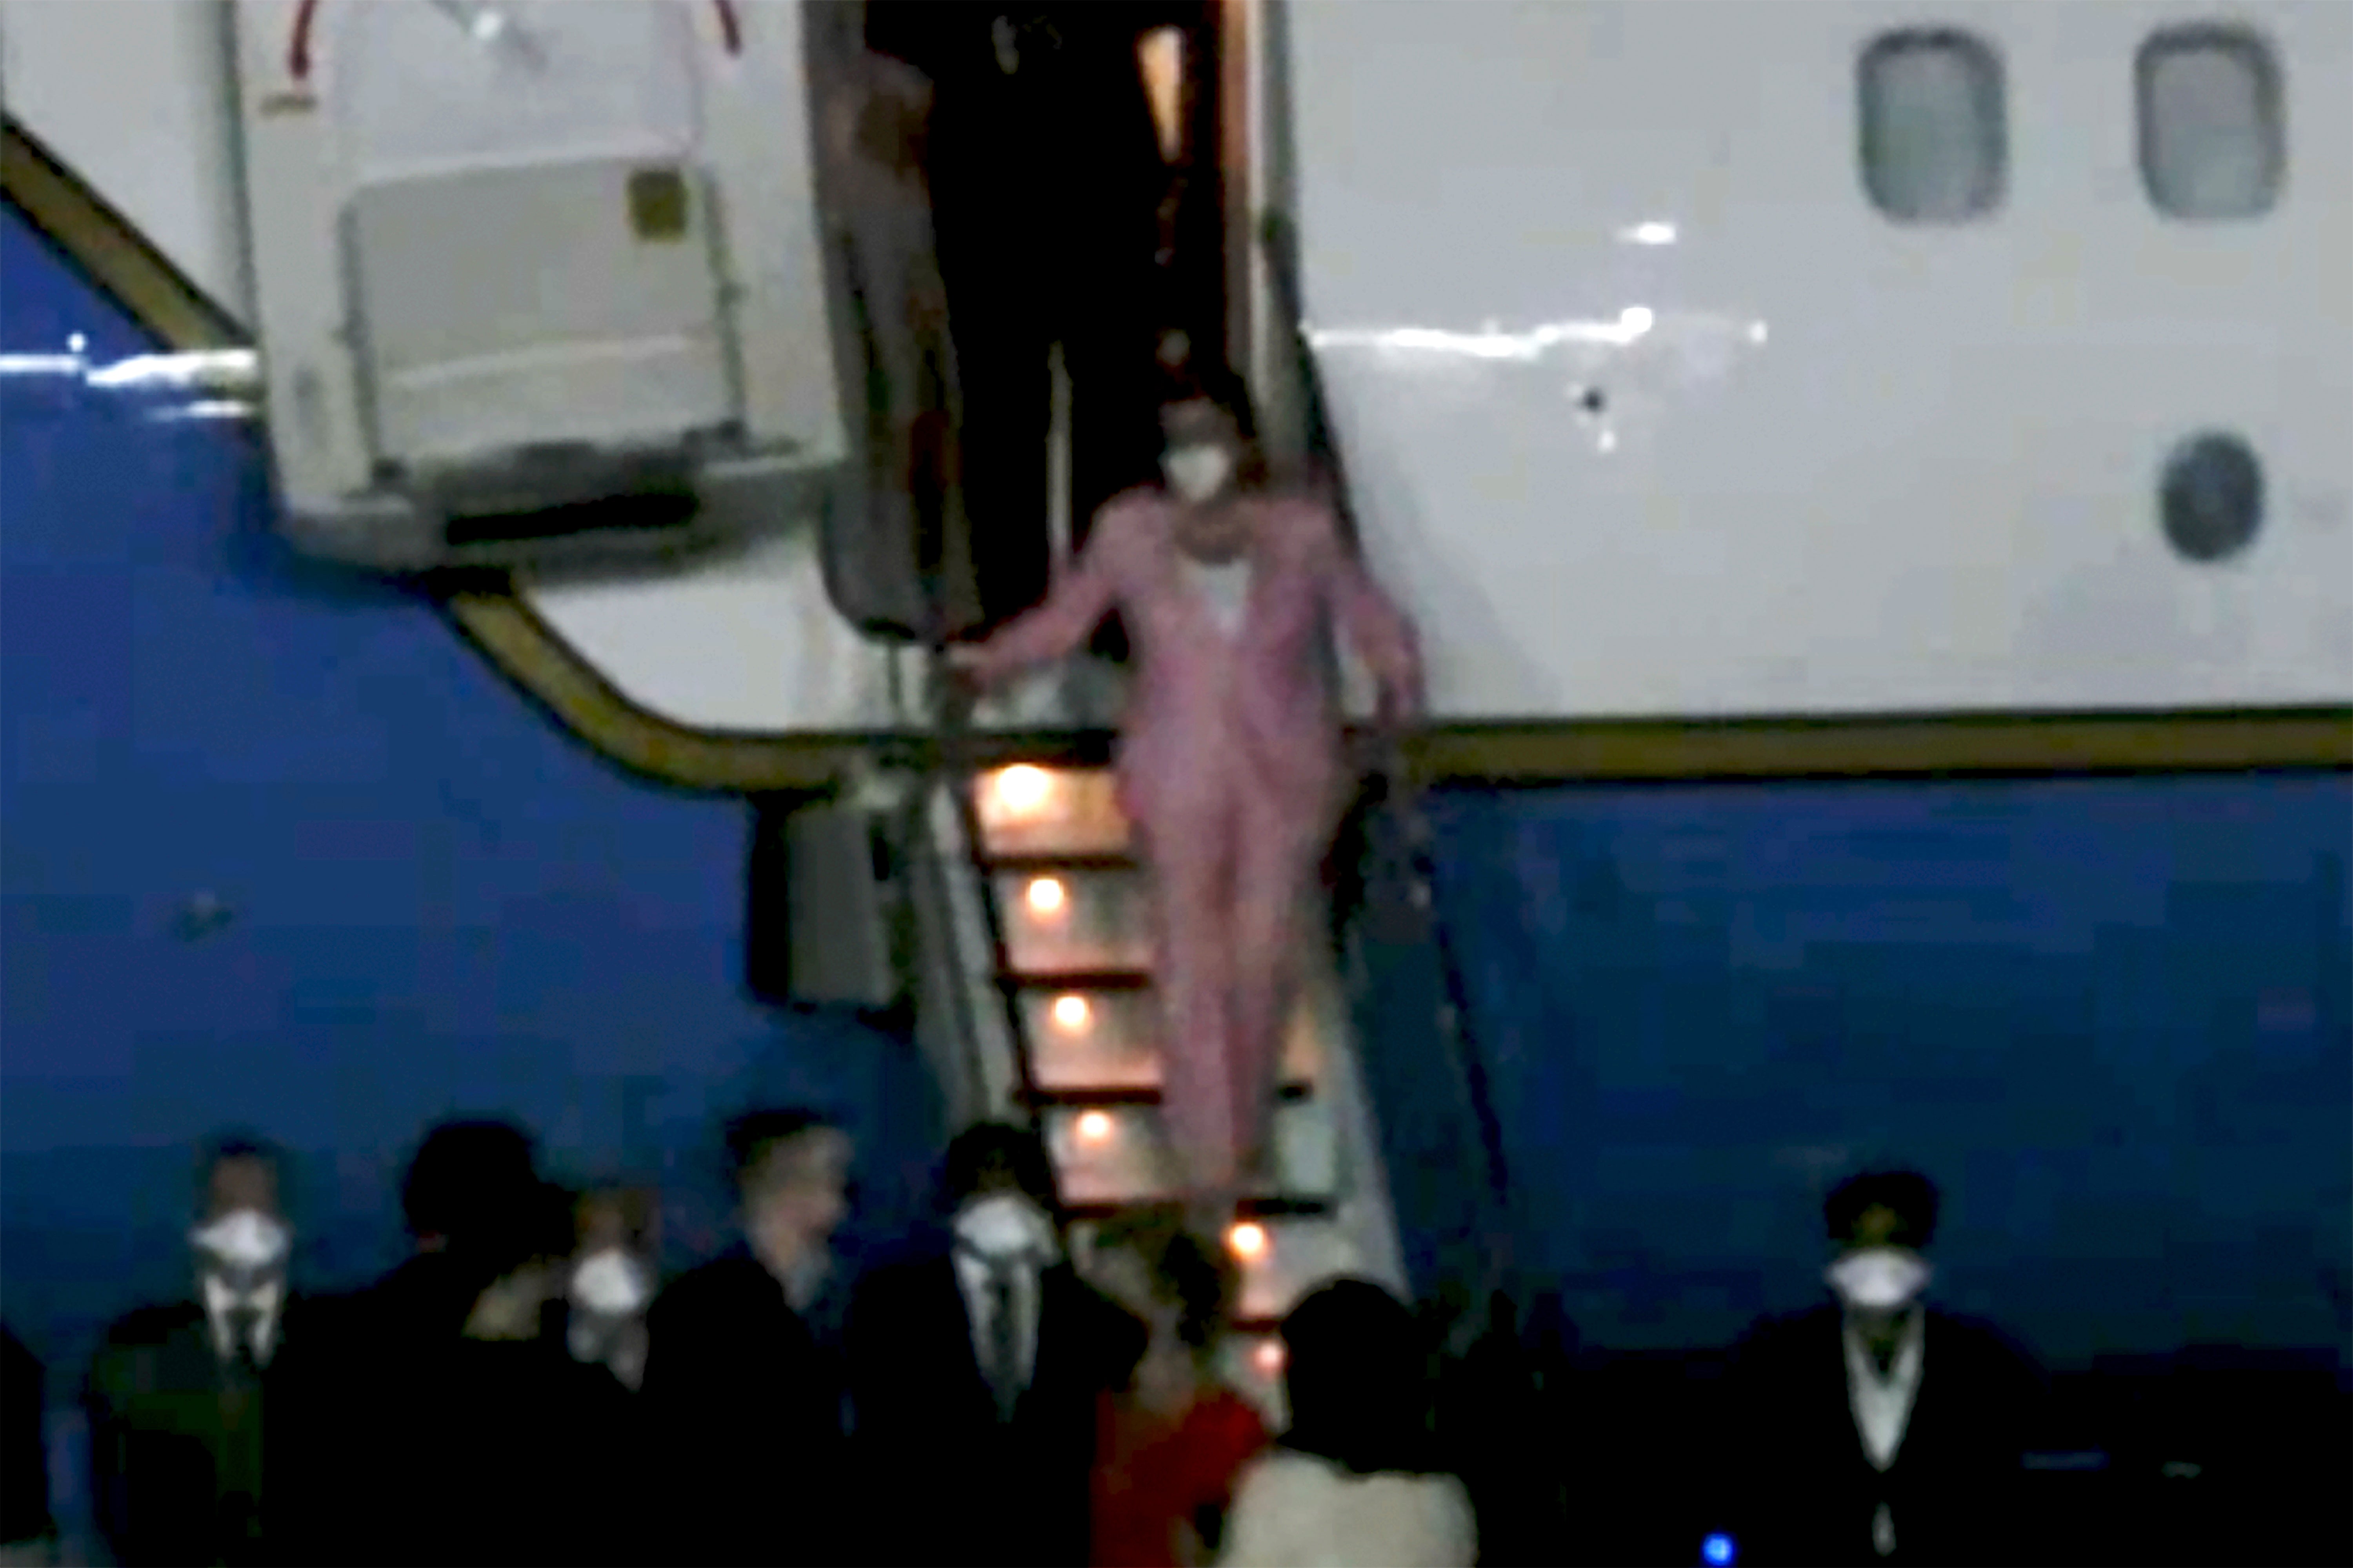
[(1094, 1127), (1717, 1549), (1072, 1014), (1047, 897), (1248, 1240), (1268, 1357), (1022, 790)]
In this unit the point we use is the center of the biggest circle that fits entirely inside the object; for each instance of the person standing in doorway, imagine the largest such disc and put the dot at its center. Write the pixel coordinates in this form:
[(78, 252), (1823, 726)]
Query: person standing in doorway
[(1045, 176), (898, 560)]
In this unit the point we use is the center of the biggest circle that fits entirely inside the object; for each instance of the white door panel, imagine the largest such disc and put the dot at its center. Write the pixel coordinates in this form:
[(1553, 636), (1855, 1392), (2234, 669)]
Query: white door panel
[(1649, 411)]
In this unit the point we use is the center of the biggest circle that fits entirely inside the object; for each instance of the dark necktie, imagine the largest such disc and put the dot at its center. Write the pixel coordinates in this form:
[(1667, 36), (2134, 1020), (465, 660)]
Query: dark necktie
[(1004, 1339), (244, 1330), (236, 1459)]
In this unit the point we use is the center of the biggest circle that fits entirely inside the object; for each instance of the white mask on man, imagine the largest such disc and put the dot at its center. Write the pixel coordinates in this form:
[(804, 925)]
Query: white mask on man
[(1198, 472), (242, 1240), (1878, 1279), (610, 1283), (1005, 1225)]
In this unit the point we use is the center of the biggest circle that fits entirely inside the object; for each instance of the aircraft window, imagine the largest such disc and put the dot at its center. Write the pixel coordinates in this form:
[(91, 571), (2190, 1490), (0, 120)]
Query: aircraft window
[(2211, 497), (2211, 150), (1935, 144)]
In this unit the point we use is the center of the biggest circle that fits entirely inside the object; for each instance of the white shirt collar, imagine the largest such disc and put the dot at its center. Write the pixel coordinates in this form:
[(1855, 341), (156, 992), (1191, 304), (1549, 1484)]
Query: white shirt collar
[(1224, 589), (1882, 1406), (220, 1301), (972, 1275)]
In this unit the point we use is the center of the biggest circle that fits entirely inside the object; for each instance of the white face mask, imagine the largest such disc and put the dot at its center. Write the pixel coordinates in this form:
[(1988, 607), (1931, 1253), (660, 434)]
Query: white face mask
[(1005, 1224), (242, 1240), (1198, 472), (1878, 1279), (611, 1283)]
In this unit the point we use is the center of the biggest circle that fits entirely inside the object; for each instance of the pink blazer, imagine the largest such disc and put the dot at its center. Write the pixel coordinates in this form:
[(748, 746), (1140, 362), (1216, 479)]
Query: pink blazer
[(1207, 706)]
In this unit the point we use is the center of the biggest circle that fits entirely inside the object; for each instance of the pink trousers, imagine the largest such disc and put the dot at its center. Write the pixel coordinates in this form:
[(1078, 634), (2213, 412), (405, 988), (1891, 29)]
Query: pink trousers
[(1233, 867)]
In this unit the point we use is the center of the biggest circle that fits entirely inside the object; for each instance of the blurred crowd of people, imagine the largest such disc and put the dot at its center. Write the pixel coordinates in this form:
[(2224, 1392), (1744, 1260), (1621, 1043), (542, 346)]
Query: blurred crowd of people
[(524, 1388)]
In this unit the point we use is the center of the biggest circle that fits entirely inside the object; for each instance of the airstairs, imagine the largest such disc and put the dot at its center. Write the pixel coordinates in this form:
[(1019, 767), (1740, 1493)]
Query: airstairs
[(1045, 935)]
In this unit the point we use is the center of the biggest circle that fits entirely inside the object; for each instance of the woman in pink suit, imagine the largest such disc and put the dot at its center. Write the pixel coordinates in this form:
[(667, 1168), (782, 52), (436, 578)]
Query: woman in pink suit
[(1231, 766)]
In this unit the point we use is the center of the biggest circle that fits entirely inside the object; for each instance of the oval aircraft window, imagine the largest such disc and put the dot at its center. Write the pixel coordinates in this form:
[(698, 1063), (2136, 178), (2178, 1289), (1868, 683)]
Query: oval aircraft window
[(1935, 141), (2211, 149), (2211, 497)]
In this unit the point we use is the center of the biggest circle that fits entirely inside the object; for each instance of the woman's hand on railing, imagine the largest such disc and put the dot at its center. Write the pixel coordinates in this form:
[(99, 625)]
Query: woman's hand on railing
[(967, 665), (963, 678)]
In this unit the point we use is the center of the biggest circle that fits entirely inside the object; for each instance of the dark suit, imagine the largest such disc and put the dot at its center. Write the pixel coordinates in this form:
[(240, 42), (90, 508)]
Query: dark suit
[(1046, 183), (24, 1454), (443, 1449), (984, 1490), (197, 1457), (1806, 1492), (521, 1455), (375, 1349), (744, 1408)]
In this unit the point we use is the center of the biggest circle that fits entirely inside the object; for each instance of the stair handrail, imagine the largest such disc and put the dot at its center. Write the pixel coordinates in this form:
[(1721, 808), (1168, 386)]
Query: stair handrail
[(956, 766), (931, 862), (1389, 776)]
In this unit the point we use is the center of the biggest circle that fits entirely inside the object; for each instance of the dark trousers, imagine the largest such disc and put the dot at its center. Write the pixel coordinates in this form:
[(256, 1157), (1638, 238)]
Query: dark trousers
[(1046, 184), (1004, 336)]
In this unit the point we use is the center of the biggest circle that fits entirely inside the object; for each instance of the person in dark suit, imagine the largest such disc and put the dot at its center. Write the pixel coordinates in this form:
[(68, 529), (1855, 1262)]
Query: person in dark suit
[(976, 1373), (26, 1526), (472, 1189), (464, 1189), (1047, 178), (199, 1409), (461, 1428), (514, 1450), (1879, 1429), (744, 1401)]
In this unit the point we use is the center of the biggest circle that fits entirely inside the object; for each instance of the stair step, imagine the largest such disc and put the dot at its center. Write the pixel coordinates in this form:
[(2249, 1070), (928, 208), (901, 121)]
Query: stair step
[(1031, 810), (1279, 1206), (1106, 1096), (1303, 1251), (1046, 861), (1081, 1040), (1074, 918), (1305, 1246), (1023, 979), (1275, 1207), (1124, 1154)]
